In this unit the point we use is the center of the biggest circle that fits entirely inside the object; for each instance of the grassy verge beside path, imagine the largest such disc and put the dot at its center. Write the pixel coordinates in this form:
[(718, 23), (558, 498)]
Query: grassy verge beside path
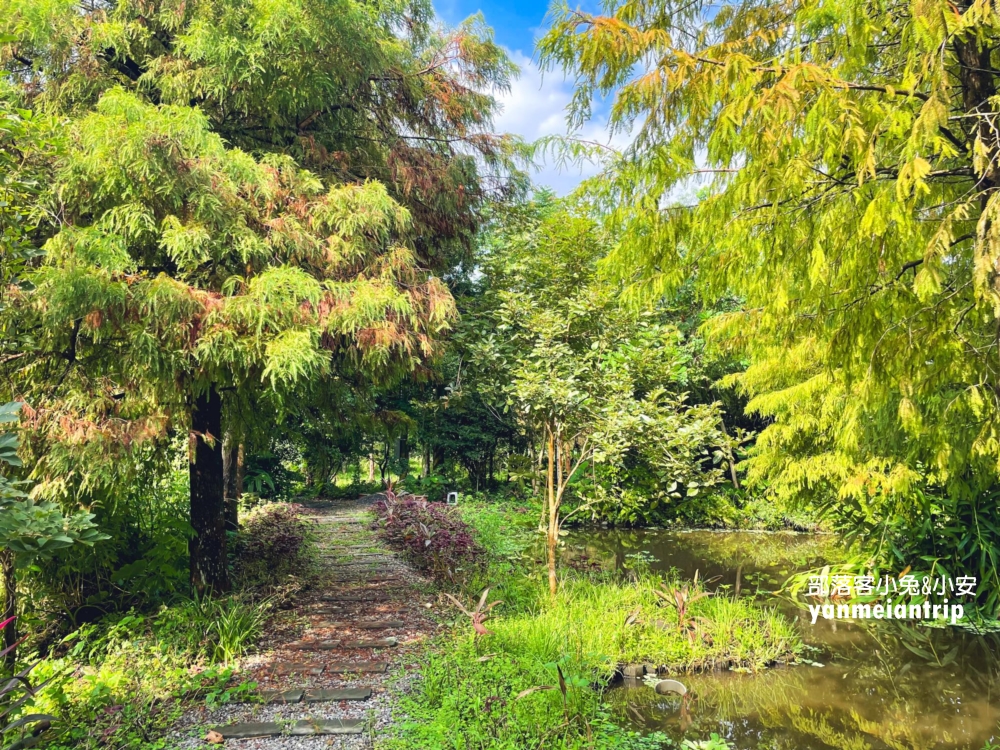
[(536, 679)]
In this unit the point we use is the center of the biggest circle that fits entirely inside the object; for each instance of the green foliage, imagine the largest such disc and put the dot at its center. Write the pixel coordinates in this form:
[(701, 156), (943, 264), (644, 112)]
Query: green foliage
[(353, 90), (34, 530), (27, 141), (848, 199), (506, 532), (467, 697), (122, 683), (588, 623), (125, 680), (143, 560), (501, 690), (234, 209), (17, 721), (553, 346), (233, 626), (31, 532)]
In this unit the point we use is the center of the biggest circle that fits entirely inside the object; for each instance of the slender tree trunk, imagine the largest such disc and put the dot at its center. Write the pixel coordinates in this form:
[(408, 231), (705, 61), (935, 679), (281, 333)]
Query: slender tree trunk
[(9, 571), (209, 563), (371, 467), (553, 530), (383, 466), (404, 455), (426, 467), (230, 471), (543, 522), (731, 458), (537, 464), (241, 466)]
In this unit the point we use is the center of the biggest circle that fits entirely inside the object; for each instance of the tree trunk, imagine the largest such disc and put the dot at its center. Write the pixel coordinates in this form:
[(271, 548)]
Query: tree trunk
[(9, 609), (543, 522), (371, 467), (240, 471), (976, 76), (731, 458), (404, 456), (230, 470), (426, 469), (209, 563), (553, 530), (553, 539), (383, 466)]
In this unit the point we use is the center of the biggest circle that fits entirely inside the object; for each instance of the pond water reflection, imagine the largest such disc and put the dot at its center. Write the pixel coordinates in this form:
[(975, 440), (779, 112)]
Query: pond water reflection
[(874, 686)]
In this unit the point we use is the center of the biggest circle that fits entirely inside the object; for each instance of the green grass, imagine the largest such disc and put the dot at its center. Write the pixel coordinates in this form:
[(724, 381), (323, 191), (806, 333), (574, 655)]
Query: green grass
[(124, 682), (466, 695), (587, 623)]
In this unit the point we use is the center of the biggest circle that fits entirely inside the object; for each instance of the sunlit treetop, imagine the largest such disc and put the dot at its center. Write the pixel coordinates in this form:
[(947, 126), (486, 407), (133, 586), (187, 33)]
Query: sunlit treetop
[(351, 90), (180, 264), (849, 154)]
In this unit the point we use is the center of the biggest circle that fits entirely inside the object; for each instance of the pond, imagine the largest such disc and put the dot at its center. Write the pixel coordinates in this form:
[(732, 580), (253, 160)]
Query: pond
[(882, 685)]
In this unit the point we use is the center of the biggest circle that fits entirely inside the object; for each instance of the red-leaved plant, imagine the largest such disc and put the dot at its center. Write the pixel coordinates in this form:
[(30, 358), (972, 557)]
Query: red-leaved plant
[(434, 535), (478, 615)]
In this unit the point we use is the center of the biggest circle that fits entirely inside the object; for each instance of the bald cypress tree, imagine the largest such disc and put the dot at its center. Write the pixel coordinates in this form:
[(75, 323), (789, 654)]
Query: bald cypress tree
[(850, 197), (250, 196)]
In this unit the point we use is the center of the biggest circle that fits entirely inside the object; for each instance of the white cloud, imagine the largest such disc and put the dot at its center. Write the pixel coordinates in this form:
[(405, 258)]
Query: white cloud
[(535, 107)]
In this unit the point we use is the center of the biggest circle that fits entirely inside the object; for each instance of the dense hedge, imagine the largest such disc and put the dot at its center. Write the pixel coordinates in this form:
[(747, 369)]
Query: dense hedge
[(434, 536)]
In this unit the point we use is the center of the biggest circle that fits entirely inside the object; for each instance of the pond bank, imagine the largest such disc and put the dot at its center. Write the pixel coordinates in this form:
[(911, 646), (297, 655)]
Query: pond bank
[(867, 686), (537, 674)]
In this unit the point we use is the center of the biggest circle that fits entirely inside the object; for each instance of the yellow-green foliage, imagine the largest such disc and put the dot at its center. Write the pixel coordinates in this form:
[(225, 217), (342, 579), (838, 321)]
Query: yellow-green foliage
[(254, 198), (849, 197)]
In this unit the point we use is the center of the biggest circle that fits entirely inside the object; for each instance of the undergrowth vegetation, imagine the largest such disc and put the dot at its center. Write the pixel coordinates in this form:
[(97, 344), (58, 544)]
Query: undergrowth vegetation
[(273, 549), (122, 681), (433, 535), (533, 673)]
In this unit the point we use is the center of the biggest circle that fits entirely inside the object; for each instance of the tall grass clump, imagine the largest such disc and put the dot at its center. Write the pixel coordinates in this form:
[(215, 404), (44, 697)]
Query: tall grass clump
[(506, 534), (602, 623), (470, 696)]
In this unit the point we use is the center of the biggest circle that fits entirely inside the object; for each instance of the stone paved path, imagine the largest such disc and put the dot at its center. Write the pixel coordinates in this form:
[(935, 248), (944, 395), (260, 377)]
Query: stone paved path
[(326, 683)]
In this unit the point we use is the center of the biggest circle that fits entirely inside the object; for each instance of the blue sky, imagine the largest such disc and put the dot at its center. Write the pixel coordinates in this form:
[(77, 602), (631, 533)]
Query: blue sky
[(517, 23), (536, 104)]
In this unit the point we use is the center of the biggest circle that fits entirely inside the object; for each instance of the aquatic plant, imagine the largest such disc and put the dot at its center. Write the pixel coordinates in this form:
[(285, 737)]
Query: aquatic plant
[(681, 598)]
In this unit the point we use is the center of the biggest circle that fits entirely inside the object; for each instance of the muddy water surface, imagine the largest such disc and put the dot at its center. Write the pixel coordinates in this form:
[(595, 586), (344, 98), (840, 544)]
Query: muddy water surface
[(878, 687)]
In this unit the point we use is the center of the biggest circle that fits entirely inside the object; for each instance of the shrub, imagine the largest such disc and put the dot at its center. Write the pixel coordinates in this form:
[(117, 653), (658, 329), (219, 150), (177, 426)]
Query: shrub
[(434, 536), (275, 542), (123, 682)]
